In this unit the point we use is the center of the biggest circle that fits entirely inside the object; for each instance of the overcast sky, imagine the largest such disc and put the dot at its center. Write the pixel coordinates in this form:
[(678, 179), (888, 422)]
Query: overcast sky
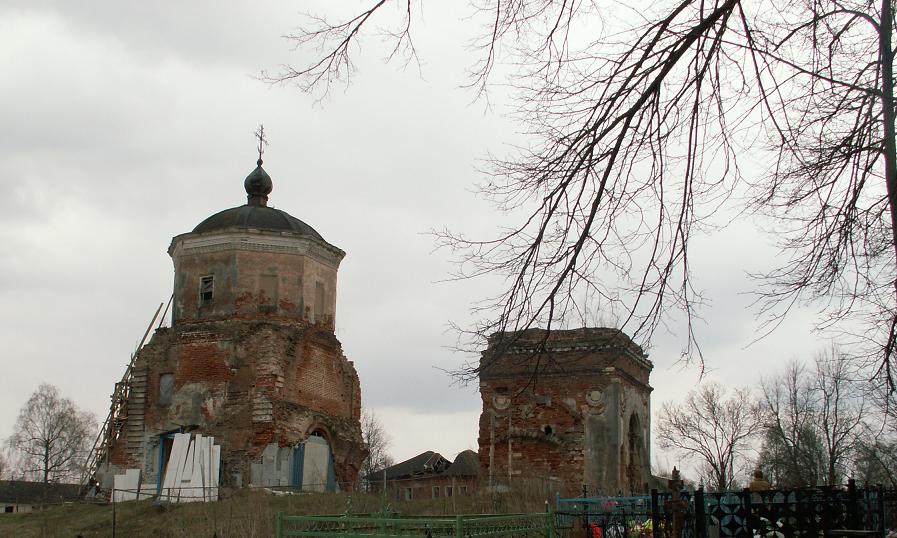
[(126, 124)]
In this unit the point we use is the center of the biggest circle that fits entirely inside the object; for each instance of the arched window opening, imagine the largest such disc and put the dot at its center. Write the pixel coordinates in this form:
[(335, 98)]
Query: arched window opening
[(634, 456)]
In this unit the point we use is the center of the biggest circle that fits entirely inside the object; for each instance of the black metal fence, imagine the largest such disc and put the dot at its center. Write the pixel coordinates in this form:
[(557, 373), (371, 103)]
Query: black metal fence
[(889, 507), (775, 513)]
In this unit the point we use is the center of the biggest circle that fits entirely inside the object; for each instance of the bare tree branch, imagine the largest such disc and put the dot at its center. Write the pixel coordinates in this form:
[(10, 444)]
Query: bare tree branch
[(636, 139), (711, 428)]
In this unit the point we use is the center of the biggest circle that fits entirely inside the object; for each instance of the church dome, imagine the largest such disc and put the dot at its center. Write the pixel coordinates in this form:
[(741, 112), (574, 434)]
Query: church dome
[(256, 217), (256, 214)]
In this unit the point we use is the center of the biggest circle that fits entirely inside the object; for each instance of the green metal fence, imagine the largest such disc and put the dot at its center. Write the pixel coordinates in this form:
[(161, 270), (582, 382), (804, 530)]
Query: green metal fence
[(517, 525)]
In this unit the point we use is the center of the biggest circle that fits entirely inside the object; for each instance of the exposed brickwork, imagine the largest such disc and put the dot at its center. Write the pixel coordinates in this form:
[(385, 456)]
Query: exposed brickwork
[(254, 361), (240, 287), (222, 373), (573, 408)]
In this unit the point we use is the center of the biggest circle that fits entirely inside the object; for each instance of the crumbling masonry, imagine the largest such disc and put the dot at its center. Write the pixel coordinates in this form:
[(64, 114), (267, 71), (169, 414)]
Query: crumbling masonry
[(567, 407), (250, 357)]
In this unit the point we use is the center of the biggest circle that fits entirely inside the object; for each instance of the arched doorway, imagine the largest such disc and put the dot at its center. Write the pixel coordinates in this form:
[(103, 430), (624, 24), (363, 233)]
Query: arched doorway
[(635, 444), (313, 463)]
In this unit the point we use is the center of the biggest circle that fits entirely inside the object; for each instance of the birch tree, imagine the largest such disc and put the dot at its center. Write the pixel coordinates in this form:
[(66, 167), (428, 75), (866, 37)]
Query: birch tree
[(51, 437)]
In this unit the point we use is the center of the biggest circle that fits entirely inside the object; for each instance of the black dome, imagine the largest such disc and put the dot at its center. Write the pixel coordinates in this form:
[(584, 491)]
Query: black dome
[(257, 217), (258, 183), (256, 214)]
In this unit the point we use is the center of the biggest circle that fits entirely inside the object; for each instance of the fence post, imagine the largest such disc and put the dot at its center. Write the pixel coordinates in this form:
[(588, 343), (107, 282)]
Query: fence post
[(655, 514), (113, 510), (459, 526), (748, 511), (549, 520), (700, 517), (852, 519), (279, 525)]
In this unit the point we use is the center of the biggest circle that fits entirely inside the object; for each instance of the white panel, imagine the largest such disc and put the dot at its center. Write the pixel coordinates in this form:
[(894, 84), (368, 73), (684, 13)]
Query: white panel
[(314, 465), (126, 485), (216, 469), (171, 481), (192, 472)]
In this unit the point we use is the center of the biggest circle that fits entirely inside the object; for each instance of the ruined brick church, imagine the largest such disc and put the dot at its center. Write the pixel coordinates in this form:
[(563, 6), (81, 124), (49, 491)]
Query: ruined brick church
[(566, 409), (250, 358)]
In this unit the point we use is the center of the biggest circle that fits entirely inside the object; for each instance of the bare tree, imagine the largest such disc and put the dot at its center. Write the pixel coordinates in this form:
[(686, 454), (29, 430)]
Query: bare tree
[(711, 428), (840, 413), (876, 463), (51, 437), (815, 418), (876, 458), (377, 441), (636, 138), (4, 466)]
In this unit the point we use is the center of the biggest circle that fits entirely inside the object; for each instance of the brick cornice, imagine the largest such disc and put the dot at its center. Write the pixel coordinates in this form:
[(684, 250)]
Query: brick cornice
[(640, 358), (568, 372)]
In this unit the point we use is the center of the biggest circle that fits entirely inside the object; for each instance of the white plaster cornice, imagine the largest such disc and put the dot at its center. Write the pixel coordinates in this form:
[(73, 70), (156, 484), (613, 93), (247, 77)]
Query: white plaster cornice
[(258, 241)]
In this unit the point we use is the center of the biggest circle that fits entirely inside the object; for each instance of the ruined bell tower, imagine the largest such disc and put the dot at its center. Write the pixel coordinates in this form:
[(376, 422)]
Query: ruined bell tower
[(251, 357), (569, 408)]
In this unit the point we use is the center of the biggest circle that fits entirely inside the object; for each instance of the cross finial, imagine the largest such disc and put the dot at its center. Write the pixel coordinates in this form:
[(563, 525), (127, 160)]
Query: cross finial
[(263, 142)]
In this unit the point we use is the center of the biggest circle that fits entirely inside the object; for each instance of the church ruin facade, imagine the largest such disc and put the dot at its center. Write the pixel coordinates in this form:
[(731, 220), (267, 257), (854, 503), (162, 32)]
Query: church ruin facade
[(251, 358), (566, 408)]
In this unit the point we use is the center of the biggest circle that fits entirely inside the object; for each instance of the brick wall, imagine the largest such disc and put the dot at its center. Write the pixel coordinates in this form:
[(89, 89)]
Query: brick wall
[(249, 384), (255, 283), (559, 408)]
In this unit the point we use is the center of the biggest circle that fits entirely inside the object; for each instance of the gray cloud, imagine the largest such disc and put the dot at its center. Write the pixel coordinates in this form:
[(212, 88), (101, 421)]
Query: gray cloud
[(130, 123)]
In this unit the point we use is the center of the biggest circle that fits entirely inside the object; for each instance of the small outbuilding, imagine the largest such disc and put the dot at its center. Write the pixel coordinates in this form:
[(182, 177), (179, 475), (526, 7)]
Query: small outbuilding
[(23, 496), (428, 476)]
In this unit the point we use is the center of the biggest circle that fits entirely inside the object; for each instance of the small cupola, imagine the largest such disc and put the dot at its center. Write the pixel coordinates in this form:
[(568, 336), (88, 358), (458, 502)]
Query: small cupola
[(258, 186)]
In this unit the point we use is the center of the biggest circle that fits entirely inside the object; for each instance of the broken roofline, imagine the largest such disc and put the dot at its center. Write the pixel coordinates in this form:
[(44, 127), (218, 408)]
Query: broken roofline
[(428, 464)]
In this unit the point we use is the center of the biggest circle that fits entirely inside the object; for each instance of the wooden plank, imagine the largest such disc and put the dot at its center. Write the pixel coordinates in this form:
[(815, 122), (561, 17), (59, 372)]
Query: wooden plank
[(175, 466)]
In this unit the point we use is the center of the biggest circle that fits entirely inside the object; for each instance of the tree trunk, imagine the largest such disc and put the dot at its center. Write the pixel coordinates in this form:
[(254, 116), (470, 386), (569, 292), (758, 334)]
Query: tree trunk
[(46, 462), (886, 57), (721, 478)]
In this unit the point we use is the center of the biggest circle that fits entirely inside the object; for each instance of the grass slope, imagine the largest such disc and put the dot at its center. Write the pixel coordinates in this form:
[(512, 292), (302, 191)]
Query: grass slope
[(244, 513)]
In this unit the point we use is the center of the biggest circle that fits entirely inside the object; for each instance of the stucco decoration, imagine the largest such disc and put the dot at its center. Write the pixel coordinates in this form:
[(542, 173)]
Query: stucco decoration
[(501, 402), (595, 399), (568, 424)]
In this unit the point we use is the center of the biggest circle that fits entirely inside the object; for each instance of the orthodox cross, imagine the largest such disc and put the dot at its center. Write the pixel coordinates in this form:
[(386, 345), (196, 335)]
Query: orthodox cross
[(263, 141)]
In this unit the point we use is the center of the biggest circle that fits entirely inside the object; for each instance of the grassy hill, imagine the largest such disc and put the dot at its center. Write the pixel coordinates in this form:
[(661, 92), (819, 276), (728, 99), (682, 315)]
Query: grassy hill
[(243, 513)]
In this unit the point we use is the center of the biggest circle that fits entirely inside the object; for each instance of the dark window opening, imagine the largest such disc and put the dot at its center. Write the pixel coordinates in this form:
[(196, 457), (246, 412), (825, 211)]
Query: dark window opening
[(448, 491), (206, 289), (166, 443), (547, 430), (166, 387), (7, 509)]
